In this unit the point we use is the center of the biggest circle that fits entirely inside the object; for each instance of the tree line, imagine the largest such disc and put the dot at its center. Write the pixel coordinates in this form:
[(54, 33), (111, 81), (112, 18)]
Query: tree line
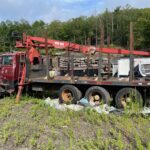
[(86, 30)]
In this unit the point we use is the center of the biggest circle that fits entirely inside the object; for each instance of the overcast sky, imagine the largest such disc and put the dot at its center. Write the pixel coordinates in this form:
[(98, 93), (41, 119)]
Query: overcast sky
[(49, 10)]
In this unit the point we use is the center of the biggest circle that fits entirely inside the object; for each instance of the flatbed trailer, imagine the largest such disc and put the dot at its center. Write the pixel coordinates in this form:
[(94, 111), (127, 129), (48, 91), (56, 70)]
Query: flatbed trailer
[(107, 88)]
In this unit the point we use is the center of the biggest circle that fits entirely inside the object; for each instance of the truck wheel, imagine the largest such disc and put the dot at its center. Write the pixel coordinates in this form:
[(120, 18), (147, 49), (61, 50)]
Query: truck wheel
[(97, 95), (127, 96), (69, 94)]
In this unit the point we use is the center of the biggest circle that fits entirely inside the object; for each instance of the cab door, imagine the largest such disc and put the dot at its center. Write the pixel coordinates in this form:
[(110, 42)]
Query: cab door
[(6, 69)]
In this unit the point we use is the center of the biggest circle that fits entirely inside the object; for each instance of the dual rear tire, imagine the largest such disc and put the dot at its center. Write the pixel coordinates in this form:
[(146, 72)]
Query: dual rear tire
[(95, 95), (98, 95), (128, 96), (69, 94)]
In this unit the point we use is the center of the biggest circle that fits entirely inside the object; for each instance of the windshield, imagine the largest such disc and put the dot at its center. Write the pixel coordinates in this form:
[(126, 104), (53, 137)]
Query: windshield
[(6, 60)]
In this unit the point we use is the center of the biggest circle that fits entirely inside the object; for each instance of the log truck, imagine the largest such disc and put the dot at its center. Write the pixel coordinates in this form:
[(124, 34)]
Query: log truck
[(41, 73)]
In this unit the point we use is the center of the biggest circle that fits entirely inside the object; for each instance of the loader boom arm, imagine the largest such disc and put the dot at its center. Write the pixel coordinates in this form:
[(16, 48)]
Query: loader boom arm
[(29, 41)]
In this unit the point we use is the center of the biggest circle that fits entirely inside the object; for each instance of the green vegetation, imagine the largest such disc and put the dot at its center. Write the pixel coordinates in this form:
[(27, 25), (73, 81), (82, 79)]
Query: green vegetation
[(83, 30), (34, 125)]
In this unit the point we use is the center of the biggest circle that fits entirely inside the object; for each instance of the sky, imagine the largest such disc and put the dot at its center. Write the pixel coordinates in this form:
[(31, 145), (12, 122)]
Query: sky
[(49, 10)]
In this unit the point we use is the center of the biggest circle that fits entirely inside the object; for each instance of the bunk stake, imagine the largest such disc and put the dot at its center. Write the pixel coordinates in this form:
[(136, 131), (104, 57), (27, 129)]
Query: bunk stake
[(88, 64), (109, 63), (68, 67), (72, 67), (100, 52), (47, 56), (131, 77)]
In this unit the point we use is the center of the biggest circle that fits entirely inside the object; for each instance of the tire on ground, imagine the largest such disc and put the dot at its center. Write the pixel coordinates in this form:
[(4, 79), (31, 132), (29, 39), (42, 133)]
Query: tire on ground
[(134, 95), (96, 90), (69, 90)]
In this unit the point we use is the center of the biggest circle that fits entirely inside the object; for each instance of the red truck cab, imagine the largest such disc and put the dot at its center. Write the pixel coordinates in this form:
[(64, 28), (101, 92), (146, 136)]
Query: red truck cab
[(10, 70)]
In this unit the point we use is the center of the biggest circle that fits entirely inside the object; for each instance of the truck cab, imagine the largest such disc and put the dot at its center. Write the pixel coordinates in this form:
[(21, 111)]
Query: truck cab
[(10, 71)]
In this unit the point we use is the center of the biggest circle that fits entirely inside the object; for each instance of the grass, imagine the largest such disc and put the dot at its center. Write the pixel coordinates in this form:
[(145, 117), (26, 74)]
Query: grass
[(34, 125)]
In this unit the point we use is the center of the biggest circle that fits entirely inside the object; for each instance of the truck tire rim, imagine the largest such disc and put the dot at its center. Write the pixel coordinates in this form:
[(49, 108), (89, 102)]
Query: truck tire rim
[(95, 99), (67, 95)]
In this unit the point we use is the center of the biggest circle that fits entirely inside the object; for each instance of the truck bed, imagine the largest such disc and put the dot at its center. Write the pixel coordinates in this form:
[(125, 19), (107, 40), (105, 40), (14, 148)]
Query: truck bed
[(91, 81)]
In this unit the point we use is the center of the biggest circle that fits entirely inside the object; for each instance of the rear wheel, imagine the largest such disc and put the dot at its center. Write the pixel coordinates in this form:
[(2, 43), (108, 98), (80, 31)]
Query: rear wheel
[(97, 95), (69, 94), (127, 96)]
